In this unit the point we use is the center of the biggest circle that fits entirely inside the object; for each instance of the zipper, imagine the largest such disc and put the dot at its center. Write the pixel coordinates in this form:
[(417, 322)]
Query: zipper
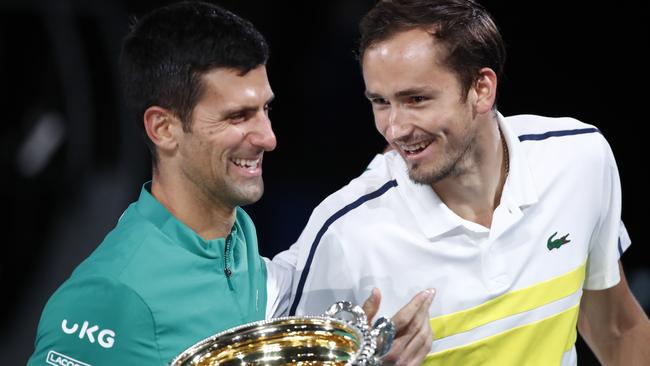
[(226, 266)]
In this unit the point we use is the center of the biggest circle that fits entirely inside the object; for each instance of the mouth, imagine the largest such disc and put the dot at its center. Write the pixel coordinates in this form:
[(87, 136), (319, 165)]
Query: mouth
[(413, 150), (252, 167)]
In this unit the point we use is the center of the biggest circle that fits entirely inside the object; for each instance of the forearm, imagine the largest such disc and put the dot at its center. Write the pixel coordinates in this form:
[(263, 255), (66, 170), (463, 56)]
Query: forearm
[(629, 347), (615, 326)]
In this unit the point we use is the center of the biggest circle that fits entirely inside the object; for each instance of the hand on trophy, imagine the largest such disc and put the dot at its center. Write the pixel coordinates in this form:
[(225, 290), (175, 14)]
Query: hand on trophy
[(414, 336)]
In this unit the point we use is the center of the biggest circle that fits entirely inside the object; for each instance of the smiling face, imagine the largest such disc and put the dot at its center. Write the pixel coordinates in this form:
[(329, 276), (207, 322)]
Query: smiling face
[(419, 106), (230, 130)]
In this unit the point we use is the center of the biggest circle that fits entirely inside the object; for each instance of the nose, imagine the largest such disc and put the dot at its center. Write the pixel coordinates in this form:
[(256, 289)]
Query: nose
[(263, 135), (397, 126)]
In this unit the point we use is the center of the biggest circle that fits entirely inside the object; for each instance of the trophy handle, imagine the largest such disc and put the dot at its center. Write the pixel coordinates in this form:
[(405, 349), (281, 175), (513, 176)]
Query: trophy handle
[(384, 333), (360, 320), (377, 340)]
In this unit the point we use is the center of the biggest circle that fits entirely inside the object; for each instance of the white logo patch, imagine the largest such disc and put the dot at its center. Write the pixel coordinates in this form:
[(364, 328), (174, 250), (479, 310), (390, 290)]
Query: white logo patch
[(59, 359), (105, 337)]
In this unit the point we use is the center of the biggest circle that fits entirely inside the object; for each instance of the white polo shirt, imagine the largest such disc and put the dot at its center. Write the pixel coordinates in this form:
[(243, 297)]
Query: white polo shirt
[(507, 295)]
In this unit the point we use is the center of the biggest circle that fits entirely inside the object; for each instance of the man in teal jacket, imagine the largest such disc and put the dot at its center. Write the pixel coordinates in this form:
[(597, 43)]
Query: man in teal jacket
[(182, 263)]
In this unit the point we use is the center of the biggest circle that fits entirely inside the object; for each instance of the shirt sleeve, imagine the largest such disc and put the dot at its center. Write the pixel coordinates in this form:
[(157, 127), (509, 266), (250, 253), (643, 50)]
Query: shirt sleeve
[(323, 278), (624, 240), (96, 321), (278, 288), (610, 238)]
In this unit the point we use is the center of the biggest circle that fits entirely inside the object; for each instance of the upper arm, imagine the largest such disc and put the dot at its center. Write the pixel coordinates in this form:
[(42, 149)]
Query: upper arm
[(607, 306), (96, 321), (323, 278), (606, 314), (609, 237)]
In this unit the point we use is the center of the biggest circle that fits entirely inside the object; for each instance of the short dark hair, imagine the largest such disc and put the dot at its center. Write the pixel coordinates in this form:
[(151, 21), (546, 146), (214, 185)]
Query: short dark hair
[(166, 52), (464, 28)]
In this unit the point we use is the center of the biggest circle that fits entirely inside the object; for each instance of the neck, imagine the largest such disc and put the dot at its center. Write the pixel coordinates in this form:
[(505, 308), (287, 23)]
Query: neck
[(475, 191), (193, 206)]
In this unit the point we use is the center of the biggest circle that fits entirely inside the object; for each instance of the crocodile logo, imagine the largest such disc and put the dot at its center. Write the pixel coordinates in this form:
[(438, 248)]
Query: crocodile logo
[(556, 243)]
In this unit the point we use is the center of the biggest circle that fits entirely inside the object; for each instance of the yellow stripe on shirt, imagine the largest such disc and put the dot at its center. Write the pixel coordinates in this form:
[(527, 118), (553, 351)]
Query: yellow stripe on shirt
[(508, 304), (541, 343)]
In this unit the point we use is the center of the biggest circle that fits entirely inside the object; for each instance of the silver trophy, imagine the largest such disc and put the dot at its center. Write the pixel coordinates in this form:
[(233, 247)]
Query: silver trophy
[(341, 336)]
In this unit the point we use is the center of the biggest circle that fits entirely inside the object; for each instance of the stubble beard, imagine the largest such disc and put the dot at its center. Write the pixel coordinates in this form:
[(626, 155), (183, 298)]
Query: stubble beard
[(252, 194), (246, 194), (226, 191), (451, 165)]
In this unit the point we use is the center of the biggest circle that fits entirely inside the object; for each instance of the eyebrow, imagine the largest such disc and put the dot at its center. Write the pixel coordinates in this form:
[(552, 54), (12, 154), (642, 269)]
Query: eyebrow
[(245, 109), (402, 93), (370, 95), (413, 91)]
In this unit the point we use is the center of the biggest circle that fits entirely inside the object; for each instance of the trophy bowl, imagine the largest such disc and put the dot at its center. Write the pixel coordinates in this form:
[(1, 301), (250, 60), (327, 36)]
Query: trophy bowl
[(341, 336)]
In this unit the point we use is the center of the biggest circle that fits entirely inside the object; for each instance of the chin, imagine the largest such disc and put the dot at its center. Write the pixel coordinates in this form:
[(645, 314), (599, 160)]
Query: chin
[(250, 195), (428, 175)]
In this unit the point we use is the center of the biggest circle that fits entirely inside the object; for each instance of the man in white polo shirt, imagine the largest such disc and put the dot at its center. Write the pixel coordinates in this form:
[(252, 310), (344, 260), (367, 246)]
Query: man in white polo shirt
[(515, 221)]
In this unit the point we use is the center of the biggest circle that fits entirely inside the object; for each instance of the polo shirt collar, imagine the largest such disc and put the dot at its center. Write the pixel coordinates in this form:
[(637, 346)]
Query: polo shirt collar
[(179, 233), (434, 217), (520, 190)]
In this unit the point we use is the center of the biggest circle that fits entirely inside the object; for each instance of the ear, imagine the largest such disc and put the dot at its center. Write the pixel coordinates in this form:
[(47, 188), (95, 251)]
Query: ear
[(485, 89), (162, 127)]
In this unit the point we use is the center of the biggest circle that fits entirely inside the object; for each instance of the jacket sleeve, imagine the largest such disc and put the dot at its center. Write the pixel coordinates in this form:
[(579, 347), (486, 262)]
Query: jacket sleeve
[(96, 321)]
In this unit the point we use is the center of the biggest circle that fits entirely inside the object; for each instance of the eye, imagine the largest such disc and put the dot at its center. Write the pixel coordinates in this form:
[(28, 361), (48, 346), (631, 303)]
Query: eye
[(237, 118), (379, 101), (416, 99), (241, 116)]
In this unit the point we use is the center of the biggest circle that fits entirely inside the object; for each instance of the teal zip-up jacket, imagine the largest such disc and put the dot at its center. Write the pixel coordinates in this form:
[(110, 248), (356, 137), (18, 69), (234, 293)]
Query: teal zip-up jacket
[(152, 289)]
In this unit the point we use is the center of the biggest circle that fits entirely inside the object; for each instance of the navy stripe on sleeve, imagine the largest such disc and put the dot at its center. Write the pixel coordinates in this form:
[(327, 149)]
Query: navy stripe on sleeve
[(303, 277), (620, 248), (545, 135)]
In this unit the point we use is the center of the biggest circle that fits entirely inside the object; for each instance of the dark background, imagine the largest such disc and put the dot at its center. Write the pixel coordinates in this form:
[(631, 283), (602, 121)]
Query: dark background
[(71, 161)]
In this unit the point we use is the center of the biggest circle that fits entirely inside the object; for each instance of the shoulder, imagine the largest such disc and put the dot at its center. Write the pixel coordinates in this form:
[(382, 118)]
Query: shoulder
[(373, 183), (354, 203), (96, 320), (116, 251), (553, 137), (534, 127), (528, 127), (93, 297)]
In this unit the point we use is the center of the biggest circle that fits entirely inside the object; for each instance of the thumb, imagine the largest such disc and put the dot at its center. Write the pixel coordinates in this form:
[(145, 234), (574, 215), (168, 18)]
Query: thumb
[(371, 305)]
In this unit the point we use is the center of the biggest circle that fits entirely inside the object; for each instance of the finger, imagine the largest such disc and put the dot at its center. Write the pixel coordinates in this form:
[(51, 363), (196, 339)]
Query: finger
[(414, 336), (404, 352), (371, 305), (417, 307), (418, 346), (422, 315), (393, 355)]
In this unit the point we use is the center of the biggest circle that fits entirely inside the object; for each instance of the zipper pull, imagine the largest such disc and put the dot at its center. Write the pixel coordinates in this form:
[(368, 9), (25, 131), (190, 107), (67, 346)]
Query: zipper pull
[(226, 262)]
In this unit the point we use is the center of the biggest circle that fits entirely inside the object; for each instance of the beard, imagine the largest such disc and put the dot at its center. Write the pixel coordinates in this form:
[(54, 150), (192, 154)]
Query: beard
[(242, 193), (449, 164), (225, 190), (251, 193)]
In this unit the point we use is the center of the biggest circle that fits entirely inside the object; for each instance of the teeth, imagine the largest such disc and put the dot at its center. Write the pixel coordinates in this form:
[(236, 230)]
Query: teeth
[(415, 147), (246, 163)]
